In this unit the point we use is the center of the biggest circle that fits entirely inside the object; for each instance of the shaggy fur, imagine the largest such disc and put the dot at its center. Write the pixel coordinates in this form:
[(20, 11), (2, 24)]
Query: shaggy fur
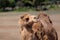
[(26, 21), (49, 32), (36, 27)]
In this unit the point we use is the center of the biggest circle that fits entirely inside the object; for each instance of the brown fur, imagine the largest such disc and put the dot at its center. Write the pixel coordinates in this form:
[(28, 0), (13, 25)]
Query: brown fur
[(37, 29), (49, 31), (45, 17), (40, 29), (39, 32), (26, 21)]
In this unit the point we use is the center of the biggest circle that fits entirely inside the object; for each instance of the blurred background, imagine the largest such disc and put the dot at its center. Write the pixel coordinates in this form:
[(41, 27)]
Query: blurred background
[(27, 5), (10, 11)]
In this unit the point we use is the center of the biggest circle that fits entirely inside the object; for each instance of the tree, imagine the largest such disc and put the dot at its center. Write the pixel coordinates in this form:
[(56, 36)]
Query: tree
[(7, 3)]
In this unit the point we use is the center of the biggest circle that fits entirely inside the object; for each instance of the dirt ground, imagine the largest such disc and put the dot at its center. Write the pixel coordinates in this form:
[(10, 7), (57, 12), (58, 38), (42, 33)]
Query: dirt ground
[(9, 25)]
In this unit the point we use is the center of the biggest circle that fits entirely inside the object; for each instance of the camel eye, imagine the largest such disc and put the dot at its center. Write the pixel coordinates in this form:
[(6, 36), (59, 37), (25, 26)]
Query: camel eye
[(27, 19)]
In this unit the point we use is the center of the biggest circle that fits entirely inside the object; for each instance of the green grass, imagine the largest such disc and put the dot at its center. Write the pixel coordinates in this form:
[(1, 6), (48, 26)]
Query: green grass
[(54, 7), (21, 9), (26, 9)]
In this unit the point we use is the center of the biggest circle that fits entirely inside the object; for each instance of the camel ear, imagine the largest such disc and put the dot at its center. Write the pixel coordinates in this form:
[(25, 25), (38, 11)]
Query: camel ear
[(23, 15)]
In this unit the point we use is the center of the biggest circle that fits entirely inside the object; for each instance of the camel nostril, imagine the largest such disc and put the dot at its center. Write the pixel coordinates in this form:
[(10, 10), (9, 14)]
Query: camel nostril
[(27, 19)]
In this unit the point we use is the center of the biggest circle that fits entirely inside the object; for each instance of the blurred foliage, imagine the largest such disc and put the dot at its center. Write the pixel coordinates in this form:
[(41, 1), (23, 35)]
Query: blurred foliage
[(5, 3), (25, 9), (11, 1), (20, 3)]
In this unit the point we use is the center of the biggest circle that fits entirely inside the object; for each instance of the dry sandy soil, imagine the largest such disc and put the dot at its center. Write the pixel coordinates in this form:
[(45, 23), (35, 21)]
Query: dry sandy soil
[(9, 25)]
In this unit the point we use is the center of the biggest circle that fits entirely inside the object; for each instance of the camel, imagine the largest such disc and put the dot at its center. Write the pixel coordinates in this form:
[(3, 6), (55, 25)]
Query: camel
[(39, 27), (26, 21), (48, 31)]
